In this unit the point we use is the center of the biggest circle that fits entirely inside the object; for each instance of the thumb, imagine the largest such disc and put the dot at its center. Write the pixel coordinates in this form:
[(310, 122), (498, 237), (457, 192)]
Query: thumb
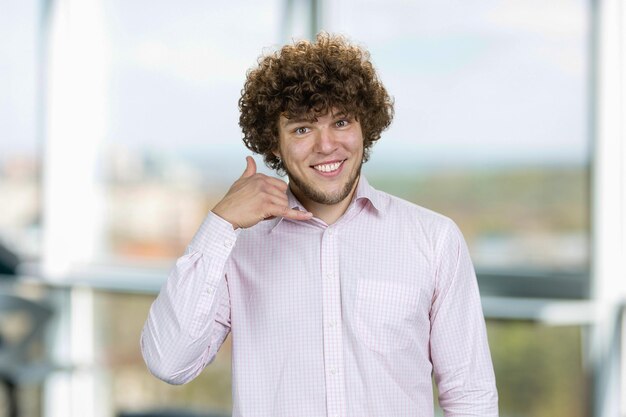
[(250, 167)]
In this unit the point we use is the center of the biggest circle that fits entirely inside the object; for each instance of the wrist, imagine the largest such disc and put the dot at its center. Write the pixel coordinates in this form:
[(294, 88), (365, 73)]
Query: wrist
[(219, 214)]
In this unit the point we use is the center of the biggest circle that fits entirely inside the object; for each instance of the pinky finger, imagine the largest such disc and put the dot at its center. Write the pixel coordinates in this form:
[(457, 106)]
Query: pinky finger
[(299, 215), (293, 214)]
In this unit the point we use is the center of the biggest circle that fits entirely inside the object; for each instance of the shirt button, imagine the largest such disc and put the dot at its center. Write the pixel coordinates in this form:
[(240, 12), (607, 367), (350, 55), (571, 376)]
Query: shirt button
[(332, 323), (333, 371), (329, 275), (228, 243), (209, 290), (330, 232)]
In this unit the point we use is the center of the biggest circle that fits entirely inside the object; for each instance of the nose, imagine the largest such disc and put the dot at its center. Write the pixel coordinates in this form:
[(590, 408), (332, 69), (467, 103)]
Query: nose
[(326, 141)]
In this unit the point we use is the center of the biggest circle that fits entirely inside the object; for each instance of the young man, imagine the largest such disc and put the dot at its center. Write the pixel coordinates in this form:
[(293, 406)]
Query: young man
[(342, 300)]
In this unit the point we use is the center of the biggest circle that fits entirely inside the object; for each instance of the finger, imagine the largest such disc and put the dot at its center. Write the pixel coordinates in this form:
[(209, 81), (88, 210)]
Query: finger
[(250, 167), (298, 214), (280, 184), (276, 192), (286, 212), (277, 200), (293, 214)]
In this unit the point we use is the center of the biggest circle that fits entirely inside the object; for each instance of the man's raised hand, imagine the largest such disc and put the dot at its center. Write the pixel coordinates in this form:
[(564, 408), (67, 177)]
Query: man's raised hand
[(254, 198)]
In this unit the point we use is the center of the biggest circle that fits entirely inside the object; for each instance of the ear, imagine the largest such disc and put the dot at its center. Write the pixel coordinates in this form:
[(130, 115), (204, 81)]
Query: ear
[(276, 153)]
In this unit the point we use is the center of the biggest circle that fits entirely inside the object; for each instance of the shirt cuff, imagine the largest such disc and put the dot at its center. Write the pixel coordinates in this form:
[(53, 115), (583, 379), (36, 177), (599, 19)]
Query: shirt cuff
[(215, 237)]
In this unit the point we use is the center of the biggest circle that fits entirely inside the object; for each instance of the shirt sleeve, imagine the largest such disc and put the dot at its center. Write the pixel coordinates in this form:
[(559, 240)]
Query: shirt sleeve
[(459, 349), (190, 317)]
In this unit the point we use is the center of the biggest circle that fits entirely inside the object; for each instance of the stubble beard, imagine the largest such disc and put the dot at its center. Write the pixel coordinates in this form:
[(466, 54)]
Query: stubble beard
[(325, 198)]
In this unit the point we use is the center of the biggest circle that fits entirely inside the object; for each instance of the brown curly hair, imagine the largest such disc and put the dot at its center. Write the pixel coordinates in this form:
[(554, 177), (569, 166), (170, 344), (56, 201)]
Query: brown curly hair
[(310, 79)]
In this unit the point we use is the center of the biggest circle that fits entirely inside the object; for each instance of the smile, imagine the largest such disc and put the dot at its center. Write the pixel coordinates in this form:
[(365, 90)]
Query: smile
[(329, 167)]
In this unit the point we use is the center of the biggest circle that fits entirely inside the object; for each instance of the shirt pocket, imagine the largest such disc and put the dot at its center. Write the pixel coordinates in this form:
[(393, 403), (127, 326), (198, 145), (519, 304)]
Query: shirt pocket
[(386, 314)]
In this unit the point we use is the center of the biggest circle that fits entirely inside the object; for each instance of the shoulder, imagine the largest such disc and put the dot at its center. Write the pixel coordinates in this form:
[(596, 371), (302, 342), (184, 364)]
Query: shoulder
[(419, 225), (414, 215)]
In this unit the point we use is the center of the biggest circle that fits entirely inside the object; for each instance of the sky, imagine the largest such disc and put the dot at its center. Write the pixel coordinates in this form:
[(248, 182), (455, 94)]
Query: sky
[(473, 82)]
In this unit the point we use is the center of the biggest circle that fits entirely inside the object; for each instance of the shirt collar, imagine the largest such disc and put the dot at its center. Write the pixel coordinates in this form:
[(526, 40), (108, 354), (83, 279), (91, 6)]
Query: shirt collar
[(364, 192)]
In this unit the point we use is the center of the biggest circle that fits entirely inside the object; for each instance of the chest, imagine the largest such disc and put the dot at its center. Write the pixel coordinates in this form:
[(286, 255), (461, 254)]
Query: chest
[(376, 271)]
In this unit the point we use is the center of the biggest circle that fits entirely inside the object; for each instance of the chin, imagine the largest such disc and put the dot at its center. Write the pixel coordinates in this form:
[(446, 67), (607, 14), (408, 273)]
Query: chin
[(319, 196)]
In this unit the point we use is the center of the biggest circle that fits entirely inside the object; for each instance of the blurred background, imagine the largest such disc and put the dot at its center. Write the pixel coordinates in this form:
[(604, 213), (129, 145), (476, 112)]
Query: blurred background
[(118, 132)]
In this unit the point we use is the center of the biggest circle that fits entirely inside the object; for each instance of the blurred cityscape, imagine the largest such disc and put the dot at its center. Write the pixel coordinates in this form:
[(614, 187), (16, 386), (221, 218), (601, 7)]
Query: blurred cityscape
[(20, 196), (511, 217)]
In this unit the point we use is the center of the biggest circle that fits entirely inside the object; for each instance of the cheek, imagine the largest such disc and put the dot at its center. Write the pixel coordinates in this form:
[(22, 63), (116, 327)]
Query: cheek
[(356, 144), (296, 152)]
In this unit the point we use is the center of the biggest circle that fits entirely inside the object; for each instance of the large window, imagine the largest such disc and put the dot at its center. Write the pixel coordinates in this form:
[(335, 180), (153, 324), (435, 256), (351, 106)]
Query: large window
[(492, 129)]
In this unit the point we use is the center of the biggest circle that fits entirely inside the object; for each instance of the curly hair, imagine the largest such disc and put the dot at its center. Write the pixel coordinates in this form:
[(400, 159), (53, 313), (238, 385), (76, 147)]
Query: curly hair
[(308, 79)]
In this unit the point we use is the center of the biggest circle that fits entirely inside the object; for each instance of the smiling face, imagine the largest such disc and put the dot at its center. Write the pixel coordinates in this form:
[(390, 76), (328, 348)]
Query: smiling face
[(322, 157)]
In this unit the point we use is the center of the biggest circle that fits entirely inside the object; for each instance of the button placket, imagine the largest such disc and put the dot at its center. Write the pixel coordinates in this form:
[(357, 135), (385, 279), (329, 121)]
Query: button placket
[(333, 337)]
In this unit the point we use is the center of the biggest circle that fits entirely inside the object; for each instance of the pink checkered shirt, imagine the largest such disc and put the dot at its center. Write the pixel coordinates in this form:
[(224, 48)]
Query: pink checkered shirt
[(346, 320)]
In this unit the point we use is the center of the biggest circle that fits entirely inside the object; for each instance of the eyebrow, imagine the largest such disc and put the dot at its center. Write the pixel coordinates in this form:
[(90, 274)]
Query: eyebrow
[(302, 119), (295, 121)]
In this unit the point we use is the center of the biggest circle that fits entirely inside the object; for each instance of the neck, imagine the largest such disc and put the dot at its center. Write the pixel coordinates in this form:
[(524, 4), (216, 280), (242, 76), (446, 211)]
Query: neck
[(329, 213)]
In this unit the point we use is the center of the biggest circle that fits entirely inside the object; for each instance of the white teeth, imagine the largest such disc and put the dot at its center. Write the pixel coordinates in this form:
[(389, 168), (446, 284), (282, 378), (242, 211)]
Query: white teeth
[(327, 167)]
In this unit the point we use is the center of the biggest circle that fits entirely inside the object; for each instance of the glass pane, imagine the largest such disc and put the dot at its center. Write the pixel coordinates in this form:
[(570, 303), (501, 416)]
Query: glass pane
[(19, 150), (539, 369), (174, 145), (119, 319), (492, 119)]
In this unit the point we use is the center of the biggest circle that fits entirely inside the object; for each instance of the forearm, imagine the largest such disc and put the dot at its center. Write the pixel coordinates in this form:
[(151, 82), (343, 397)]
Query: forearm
[(467, 386), (459, 347), (190, 318), (463, 366)]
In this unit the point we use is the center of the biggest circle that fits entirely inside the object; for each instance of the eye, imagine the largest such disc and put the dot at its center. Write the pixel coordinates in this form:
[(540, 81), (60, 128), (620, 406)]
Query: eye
[(301, 130), (341, 123)]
